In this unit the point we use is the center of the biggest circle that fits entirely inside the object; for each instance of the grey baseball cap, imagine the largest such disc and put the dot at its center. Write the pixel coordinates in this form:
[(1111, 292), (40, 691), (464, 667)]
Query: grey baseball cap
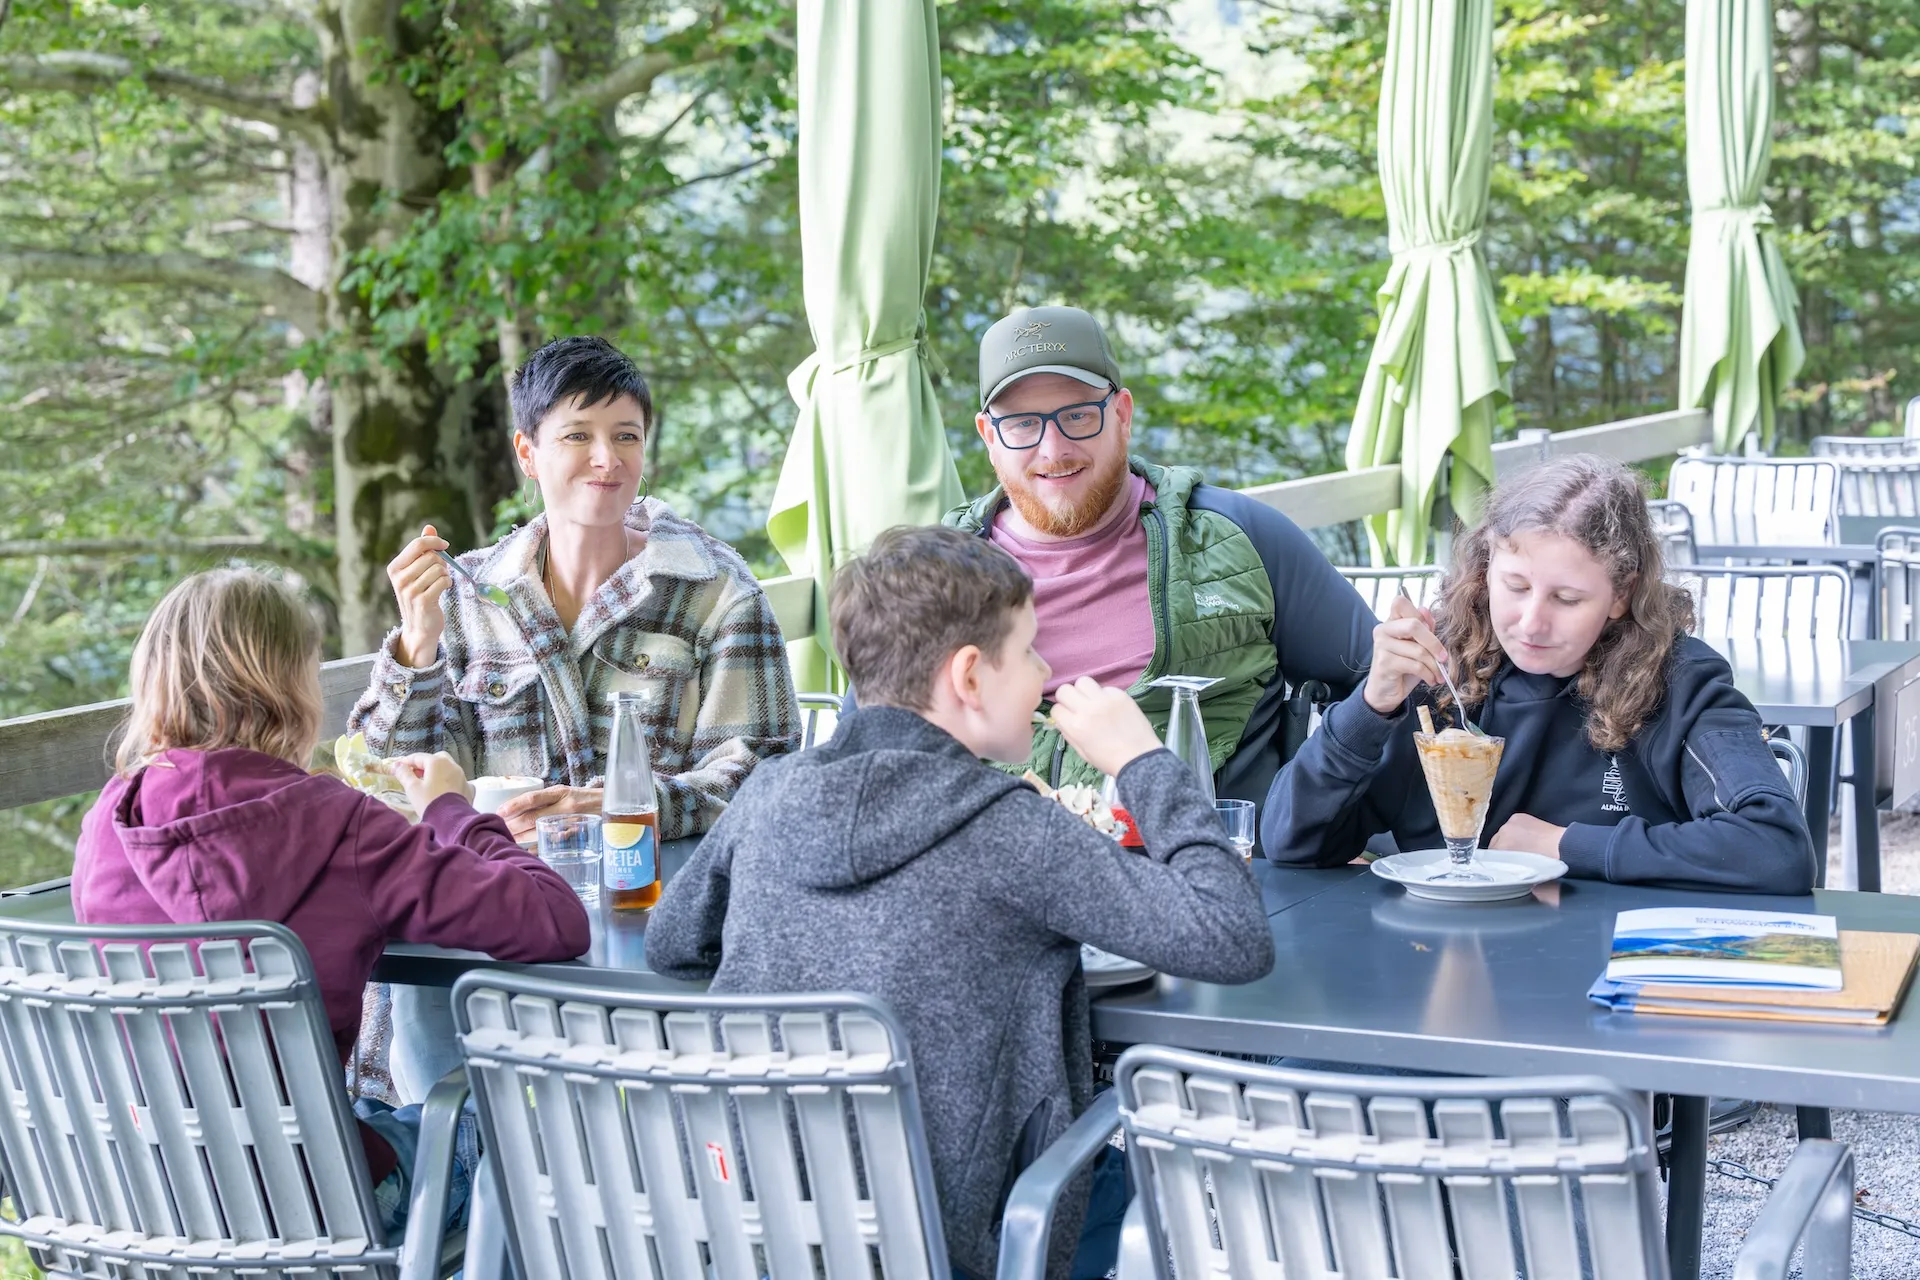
[(1045, 340)]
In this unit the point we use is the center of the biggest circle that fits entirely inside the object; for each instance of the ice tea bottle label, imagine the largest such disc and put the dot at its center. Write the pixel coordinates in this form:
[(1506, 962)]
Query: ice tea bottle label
[(631, 856)]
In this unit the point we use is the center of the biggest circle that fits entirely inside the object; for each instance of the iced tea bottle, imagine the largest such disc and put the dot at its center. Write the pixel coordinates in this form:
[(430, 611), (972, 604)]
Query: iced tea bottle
[(629, 813)]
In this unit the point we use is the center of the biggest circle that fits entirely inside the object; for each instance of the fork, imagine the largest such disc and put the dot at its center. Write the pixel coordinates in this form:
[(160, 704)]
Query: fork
[(485, 590)]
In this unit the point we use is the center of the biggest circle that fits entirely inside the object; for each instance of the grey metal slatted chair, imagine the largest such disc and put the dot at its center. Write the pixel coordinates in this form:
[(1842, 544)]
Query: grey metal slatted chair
[(1913, 417), (1899, 583), (175, 1106), (1378, 587), (1758, 501), (812, 705), (693, 1137), (1260, 1173), (1793, 764), (1673, 524), (1864, 447), (1880, 486), (1795, 601)]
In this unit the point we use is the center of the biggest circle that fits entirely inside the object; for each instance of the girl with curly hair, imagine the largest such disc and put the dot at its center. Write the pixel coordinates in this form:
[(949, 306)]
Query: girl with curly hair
[(1629, 753)]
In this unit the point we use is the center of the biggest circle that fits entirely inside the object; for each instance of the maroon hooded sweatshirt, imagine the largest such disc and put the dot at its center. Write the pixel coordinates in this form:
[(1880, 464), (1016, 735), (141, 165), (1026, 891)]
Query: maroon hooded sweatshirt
[(207, 836)]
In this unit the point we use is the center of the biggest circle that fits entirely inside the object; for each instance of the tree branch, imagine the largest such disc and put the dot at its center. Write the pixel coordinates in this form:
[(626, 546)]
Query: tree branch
[(77, 71), (295, 302), (634, 76)]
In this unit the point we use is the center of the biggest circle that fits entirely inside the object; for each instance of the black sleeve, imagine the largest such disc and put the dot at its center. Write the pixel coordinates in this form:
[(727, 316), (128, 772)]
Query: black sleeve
[(1746, 833), (1344, 787), (1322, 630)]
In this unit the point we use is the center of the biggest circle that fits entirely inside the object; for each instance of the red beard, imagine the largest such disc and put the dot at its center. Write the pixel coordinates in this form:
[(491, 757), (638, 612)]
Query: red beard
[(1070, 519)]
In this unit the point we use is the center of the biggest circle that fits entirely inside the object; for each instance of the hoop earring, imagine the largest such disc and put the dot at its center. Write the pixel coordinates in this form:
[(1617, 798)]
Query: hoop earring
[(646, 490), (529, 492)]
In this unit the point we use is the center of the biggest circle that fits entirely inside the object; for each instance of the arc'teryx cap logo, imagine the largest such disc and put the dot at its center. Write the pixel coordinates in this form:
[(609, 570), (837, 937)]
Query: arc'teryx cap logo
[(1031, 330)]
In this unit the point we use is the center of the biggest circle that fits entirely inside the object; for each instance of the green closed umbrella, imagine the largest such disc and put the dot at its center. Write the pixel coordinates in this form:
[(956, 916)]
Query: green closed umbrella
[(868, 450), (1439, 367), (1739, 333)]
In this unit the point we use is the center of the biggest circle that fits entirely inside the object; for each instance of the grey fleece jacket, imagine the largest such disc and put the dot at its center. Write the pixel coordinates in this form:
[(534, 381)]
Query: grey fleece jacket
[(889, 861)]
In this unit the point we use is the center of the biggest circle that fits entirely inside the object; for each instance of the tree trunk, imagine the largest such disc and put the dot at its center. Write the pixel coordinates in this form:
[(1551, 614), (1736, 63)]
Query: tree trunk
[(404, 453)]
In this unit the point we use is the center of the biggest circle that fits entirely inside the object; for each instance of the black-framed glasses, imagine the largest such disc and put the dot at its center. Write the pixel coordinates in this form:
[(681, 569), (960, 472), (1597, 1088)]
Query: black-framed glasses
[(1081, 421)]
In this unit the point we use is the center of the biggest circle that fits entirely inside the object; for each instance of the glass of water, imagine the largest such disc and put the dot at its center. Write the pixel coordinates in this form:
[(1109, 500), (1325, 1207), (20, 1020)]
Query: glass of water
[(1236, 818), (570, 844)]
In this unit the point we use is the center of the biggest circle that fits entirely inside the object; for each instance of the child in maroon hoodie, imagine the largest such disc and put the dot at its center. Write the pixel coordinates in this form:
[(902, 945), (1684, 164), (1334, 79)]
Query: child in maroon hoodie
[(212, 816)]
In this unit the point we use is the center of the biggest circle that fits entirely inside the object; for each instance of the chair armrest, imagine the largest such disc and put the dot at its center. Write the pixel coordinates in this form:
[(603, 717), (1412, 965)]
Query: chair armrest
[(1029, 1216), (433, 1177), (1813, 1199)]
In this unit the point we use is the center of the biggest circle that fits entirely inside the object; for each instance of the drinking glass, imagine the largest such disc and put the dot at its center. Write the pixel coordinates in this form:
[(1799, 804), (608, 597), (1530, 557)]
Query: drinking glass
[(570, 844), (1236, 817)]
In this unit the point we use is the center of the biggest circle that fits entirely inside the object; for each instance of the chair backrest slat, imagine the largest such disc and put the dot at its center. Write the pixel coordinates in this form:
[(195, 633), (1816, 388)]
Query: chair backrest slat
[(1880, 486), (1378, 587), (1864, 447), (174, 1103), (771, 1136), (1417, 1218), (1377, 1176), (1544, 1203), (1757, 501), (1899, 583), (1673, 524), (1810, 601)]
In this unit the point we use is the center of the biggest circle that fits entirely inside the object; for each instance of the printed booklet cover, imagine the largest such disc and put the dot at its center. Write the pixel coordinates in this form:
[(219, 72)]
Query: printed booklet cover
[(1726, 948)]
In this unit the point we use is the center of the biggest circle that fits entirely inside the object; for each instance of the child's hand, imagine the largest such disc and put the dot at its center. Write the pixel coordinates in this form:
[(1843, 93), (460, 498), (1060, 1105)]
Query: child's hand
[(1406, 654), (1104, 725), (425, 778)]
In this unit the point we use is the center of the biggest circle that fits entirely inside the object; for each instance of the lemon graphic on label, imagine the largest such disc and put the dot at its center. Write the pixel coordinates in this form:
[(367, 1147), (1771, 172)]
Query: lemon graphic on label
[(622, 834)]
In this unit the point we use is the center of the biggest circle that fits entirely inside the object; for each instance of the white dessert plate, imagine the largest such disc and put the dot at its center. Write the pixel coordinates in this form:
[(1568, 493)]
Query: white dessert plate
[(1105, 969), (1514, 875)]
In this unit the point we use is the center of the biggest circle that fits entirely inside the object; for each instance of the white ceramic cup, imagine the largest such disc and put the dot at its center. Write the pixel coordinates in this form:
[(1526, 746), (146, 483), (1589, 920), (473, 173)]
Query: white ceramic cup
[(490, 791)]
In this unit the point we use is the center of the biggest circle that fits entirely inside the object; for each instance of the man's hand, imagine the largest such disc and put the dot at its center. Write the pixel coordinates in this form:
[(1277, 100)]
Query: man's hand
[(425, 778), (1104, 725), (523, 811), (1524, 833), (1406, 654)]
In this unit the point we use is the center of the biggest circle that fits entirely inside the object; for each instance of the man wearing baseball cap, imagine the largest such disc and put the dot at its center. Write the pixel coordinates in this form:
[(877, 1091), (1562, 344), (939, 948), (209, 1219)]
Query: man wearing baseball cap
[(1142, 571)]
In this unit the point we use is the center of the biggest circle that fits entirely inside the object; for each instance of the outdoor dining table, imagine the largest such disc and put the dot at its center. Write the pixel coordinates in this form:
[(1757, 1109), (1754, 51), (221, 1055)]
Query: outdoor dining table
[(1365, 974), (1872, 686)]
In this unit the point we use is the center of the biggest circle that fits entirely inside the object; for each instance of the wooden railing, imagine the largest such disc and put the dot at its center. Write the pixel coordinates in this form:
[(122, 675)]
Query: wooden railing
[(61, 753)]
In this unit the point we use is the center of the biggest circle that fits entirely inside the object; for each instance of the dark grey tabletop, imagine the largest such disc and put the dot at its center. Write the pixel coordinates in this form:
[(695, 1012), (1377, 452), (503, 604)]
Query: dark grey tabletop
[(1370, 975), (1855, 542), (1822, 683)]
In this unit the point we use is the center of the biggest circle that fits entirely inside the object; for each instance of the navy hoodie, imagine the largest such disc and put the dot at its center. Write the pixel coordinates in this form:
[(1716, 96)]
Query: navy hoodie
[(889, 861), (1696, 800)]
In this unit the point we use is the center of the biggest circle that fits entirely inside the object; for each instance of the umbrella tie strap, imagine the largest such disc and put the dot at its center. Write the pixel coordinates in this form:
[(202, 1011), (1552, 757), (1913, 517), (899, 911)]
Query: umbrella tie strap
[(1440, 248), (1759, 213), (895, 347)]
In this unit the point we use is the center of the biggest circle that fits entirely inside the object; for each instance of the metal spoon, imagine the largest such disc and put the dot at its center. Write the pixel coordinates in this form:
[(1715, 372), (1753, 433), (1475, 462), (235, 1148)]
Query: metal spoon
[(485, 590), (1459, 704)]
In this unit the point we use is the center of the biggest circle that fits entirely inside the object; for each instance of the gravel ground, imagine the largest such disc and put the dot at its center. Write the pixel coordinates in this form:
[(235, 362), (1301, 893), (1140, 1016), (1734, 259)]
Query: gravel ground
[(1886, 1148)]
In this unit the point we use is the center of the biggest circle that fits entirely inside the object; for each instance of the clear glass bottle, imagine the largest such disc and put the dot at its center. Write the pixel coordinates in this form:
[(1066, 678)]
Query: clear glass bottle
[(630, 811), (1186, 732)]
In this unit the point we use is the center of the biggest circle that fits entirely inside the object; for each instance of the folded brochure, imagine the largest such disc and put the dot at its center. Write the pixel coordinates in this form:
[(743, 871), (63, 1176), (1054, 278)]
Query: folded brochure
[(1770, 949), (1877, 967)]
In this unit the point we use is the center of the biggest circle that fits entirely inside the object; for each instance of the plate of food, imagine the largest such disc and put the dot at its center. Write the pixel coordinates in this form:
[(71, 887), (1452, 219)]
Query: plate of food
[(365, 772), (1105, 969)]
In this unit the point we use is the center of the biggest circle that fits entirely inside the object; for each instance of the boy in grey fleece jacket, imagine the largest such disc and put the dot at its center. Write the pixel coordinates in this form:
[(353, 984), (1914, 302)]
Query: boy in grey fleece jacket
[(891, 861)]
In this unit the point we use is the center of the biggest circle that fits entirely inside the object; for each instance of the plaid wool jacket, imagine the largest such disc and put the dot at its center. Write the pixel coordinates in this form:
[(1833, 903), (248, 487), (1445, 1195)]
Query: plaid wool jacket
[(683, 621)]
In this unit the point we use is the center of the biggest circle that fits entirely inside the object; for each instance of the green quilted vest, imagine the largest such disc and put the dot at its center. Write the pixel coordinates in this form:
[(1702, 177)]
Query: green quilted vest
[(1212, 616)]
